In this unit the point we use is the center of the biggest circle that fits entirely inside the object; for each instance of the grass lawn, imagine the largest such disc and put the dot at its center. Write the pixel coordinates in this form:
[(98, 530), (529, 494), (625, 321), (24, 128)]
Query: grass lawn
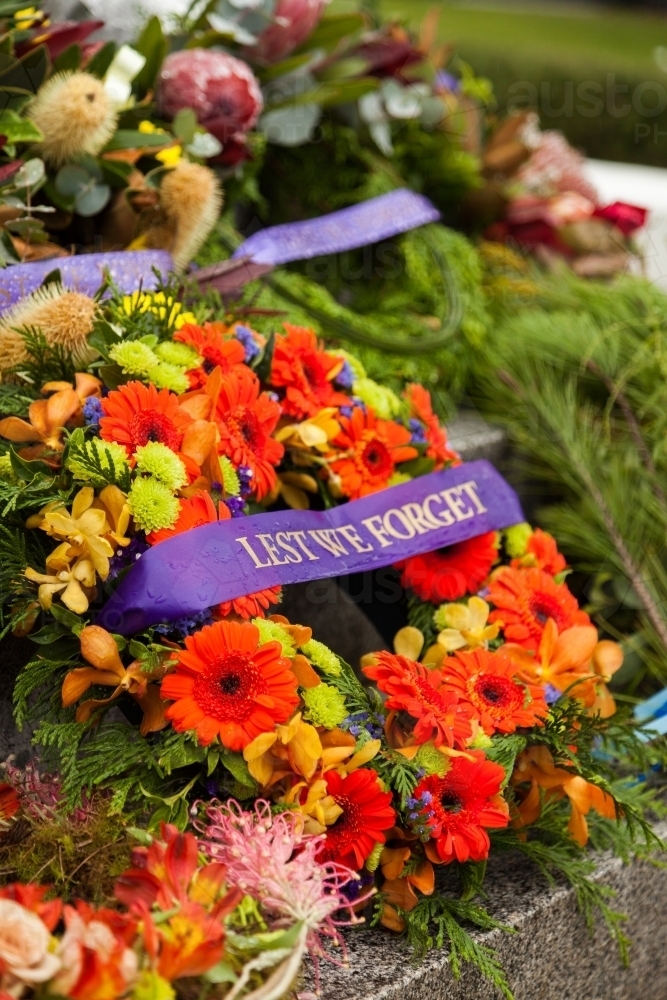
[(559, 49), (552, 32)]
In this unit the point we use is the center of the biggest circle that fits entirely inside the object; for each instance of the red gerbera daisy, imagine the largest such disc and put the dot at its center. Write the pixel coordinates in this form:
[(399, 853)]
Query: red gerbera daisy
[(525, 599), (425, 696), (367, 815), (136, 413), (487, 683), (451, 572), (199, 510), (419, 401), (461, 805), (373, 448), (215, 347), (541, 553), (227, 685), (246, 419), (305, 371)]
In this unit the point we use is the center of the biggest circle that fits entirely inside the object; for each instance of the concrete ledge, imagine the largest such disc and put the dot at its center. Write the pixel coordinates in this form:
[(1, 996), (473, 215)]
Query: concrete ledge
[(551, 957)]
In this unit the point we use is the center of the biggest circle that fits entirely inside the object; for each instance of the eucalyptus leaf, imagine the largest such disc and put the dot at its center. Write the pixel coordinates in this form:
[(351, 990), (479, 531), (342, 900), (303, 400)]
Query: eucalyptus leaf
[(31, 174), (204, 145), (133, 139), (91, 201), (184, 125), (290, 126), (71, 181)]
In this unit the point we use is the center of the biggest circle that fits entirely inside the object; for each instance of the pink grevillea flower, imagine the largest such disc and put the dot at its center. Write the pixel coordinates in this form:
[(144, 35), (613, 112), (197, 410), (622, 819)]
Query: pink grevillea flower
[(40, 795), (269, 858)]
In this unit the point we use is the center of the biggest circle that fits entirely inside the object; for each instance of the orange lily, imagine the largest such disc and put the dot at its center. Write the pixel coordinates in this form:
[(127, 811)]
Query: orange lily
[(99, 649), (537, 766)]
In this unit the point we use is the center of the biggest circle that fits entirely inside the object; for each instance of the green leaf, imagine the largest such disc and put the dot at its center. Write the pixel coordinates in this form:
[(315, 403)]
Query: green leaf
[(505, 751), (28, 470), (23, 77), (184, 125), (70, 59), (18, 129), (331, 30), (8, 253), (418, 466), (126, 138), (91, 201), (116, 173), (237, 767), (71, 180), (220, 973), (153, 45), (101, 61), (31, 174), (66, 617)]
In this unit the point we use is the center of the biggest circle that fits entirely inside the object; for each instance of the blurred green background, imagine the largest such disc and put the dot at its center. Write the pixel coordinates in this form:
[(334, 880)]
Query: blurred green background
[(594, 71)]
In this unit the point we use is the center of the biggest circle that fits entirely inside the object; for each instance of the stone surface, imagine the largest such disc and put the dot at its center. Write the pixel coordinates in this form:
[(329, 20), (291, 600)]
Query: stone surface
[(551, 957)]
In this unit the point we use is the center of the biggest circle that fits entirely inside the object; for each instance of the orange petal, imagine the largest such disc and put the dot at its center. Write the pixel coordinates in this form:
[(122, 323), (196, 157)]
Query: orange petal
[(86, 385), (392, 861), (99, 648), (84, 712), (578, 826), (607, 658), (574, 647), (305, 674), (15, 429), (61, 407), (153, 708), (197, 406), (423, 878), (198, 440), (78, 681), (400, 893), (391, 919)]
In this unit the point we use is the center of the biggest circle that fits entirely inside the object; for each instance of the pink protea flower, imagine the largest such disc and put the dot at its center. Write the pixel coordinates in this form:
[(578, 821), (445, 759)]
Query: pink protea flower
[(222, 90), (269, 858), (556, 167), (293, 22)]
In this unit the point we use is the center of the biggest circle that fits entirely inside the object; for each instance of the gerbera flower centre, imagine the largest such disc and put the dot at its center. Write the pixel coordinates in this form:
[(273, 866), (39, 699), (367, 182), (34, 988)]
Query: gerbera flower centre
[(150, 425), (497, 692), (226, 689), (451, 802), (543, 607), (377, 458), (213, 358), (244, 423)]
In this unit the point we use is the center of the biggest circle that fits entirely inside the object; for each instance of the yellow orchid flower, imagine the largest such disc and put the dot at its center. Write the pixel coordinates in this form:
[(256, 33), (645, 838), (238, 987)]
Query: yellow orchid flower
[(71, 583), (310, 436), (114, 503), (85, 528), (465, 627)]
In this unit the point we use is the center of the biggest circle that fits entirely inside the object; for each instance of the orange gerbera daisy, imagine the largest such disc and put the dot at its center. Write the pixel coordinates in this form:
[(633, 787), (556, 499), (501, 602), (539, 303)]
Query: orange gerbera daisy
[(487, 683), (372, 450), (541, 553), (228, 686), (215, 347), (367, 815), (419, 400), (448, 573), (526, 599), (198, 510), (425, 696), (136, 413), (305, 371), (461, 806), (246, 418)]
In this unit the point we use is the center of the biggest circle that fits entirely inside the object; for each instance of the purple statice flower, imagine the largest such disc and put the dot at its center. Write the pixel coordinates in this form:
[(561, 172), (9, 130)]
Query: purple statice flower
[(363, 722), (127, 556), (92, 412), (354, 890), (236, 506), (446, 81), (417, 430), (345, 377), (551, 694), (247, 339), (245, 475), (185, 626)]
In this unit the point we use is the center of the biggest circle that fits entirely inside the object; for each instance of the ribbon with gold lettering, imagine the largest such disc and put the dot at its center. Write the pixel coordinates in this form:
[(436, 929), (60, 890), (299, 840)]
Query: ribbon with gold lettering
[(218, 562)]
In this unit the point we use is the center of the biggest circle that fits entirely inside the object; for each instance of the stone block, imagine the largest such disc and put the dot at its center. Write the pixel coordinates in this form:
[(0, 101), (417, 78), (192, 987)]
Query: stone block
[(552, 955)]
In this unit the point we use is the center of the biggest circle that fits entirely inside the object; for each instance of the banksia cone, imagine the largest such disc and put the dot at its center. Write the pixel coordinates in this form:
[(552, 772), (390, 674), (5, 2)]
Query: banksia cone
[(73, 114), (190, 203), (64, 318)]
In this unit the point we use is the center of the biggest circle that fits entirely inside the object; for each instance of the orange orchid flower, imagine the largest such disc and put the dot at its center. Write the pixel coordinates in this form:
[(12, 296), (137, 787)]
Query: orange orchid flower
[(572, 661), (537, 766), (44, 430), (99, 649)]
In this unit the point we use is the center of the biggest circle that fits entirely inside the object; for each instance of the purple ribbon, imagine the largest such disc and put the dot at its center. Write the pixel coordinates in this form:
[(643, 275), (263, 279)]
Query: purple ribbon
[(218, 562), (130, 269), (358, 226)]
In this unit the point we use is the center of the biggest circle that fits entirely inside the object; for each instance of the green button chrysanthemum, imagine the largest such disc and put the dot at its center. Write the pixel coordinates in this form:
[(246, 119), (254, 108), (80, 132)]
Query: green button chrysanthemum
[(274, 632), (325, 706), (152, 505), (177, 354), (157, 460), (134, 357), (166, 376), (321, 656)]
